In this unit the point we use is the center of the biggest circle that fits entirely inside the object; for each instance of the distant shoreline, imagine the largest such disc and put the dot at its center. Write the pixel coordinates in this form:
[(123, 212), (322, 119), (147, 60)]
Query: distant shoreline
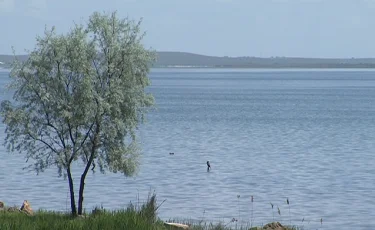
[(262, 68), (190, 60), (249, 69)]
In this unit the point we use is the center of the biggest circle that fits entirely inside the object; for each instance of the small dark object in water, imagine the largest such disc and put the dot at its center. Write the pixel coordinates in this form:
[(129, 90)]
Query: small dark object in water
[(208, 166), (171, 153)]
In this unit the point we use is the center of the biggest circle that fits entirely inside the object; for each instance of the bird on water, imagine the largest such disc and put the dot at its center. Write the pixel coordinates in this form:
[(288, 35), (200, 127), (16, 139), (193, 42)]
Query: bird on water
[(208, 166)]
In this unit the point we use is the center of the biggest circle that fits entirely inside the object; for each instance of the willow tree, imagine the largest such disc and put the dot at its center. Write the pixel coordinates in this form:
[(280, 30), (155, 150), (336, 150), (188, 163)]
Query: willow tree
[(81, 96)]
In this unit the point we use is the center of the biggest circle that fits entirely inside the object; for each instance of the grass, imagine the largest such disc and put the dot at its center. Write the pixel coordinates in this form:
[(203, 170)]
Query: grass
[(137, 218), (122, 219), (201, 225), (134, 217)]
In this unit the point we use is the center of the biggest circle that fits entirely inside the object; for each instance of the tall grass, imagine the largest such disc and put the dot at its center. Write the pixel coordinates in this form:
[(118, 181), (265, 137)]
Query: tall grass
[(252, 211), (290, 220), (123, 219), (273, 215), (137, 218), (134, 217)]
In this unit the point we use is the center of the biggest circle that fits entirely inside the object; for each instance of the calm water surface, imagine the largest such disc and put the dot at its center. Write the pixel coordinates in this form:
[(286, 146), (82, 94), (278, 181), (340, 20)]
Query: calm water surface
[(305, 135)]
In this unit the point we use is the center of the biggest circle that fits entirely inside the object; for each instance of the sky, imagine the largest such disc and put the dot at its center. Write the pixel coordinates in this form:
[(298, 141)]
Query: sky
[(262, 28)]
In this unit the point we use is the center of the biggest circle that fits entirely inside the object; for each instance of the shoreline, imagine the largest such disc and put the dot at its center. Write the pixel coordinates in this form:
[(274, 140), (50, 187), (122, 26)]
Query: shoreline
[(173, 59), (252, 68), (130, 218)]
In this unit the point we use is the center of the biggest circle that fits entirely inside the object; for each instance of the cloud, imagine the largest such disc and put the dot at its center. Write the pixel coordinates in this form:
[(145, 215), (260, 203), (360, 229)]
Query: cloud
[(6, 5)]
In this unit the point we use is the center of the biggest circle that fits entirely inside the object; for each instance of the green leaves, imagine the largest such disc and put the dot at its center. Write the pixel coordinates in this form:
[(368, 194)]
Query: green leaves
[(81, 96), (95, 75)]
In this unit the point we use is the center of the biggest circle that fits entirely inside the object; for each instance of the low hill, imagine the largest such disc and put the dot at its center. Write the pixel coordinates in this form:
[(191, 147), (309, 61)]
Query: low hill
[(170, 59), (182, 59)]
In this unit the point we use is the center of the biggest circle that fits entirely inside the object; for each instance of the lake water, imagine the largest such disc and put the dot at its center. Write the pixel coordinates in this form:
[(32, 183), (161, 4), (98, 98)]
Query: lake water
[(306, 135)]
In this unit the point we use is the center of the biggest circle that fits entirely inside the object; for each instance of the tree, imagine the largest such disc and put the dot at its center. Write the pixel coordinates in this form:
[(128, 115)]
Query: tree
[(81, 96)]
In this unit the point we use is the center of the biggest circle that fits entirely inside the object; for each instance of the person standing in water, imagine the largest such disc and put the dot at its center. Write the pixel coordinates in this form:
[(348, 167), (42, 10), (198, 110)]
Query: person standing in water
[(208, 166)]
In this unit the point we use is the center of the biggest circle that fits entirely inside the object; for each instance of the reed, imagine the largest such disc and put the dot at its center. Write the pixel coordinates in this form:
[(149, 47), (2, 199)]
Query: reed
[(290, 220), (239, 210), (273, 215), (252, 211)]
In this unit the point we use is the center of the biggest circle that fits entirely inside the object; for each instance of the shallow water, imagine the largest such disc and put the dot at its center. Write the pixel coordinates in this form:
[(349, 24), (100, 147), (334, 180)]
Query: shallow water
[(305, 135)]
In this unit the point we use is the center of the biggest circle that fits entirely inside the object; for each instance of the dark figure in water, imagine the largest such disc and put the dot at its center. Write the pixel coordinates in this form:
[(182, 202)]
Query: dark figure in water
[(208, 166), (171, 153)]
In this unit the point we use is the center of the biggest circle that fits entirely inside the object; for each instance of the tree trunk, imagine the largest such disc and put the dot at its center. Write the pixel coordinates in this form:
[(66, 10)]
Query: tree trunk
[(82, 185), (71, 189), (88, 164)]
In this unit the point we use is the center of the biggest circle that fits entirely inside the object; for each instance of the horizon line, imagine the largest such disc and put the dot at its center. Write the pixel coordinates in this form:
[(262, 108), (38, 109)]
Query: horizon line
[(247, 56)]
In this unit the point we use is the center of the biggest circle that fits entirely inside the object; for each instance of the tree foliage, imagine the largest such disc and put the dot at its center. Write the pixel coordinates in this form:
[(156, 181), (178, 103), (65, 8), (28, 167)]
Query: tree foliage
[(81, 95)]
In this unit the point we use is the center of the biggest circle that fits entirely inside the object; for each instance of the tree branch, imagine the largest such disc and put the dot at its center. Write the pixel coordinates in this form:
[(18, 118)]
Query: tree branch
[(82, 142), (44, 142), (57, 132), (70, 134)]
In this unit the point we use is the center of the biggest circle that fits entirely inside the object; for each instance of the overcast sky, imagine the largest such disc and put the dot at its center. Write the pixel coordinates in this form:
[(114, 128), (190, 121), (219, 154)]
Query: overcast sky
[(294, 28)]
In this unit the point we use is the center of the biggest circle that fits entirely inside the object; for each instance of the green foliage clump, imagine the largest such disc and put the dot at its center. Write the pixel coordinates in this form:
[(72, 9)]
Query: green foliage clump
[(81, 96)]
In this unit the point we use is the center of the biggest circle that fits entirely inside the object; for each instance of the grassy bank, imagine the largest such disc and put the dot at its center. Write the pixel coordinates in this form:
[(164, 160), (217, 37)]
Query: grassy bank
[(143, 217), (124, 219)]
